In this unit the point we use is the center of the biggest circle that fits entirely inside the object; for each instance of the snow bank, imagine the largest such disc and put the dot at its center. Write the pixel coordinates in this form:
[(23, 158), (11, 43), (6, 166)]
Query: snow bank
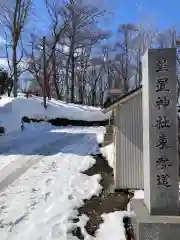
[(112, 227), (13, 109), (108, 153)]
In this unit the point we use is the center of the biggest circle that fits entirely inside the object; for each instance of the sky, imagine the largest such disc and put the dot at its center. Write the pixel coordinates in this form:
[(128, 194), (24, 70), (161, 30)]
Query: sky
[(163, 14)]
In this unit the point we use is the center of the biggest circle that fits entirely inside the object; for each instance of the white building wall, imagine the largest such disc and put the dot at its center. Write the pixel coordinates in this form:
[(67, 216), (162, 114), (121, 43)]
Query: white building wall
[(128, 169)]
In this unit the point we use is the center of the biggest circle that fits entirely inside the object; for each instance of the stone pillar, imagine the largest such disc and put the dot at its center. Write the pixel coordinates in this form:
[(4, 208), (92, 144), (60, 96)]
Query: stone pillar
[(157, 216), (160, 132)]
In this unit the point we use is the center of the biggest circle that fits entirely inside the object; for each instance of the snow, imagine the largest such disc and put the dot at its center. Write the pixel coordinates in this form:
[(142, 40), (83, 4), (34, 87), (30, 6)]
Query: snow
[(20, 146), (108, 154), (139, 194), (42, 203), (113, 227), (13, 109)]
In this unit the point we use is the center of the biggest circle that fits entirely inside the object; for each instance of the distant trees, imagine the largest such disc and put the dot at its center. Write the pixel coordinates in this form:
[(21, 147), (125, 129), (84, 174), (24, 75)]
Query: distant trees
[(13, 20), (77, 61), (84, 63), (69, 48), (5, 82)]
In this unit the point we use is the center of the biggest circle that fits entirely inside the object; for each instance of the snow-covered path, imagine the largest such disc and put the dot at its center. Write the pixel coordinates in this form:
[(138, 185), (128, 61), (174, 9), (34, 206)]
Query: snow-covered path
[(40, 204), (33, 143), (20, 152)]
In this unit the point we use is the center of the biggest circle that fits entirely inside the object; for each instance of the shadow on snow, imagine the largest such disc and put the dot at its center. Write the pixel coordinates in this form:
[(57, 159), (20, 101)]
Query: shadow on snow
[(48, 143)]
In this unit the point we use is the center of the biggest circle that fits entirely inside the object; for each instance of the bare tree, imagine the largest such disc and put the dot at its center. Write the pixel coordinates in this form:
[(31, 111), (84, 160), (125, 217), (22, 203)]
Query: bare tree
[(81, 33), (13, 19), (52, 42), (36, 56), (72, 28), (145, 38), (34, 60), (124, 56)]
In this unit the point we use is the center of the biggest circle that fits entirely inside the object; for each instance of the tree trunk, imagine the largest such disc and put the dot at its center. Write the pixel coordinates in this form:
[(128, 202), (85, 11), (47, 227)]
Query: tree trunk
[(93, 97), (178, 90), (10, 89), (101, 91), (55, 77), (94, 93), (67, 79), (15, 72), (48, 92), (126, 85), (44, 73), (81, 91), (72, 78), (72, 59)]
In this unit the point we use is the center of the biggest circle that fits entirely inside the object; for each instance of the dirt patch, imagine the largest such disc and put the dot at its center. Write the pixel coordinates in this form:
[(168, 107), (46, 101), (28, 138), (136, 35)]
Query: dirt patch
[(107, 202)]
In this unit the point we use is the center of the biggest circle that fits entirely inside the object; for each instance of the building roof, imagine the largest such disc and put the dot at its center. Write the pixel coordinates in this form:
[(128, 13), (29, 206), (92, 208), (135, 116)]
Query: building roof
[(110, 106)]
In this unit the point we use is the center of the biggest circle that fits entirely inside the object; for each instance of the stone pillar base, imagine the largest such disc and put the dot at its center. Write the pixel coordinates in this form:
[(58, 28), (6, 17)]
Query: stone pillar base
[(150, 227)]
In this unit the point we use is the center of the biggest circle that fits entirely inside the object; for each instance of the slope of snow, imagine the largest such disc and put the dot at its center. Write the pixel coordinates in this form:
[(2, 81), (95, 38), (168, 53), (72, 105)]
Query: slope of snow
[(13, 109), (108, 154)]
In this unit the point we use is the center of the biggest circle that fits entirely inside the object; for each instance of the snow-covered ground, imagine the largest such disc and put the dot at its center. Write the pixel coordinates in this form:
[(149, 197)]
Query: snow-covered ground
[(13, 109), (29, 144), (42, 203), (41, 180)]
